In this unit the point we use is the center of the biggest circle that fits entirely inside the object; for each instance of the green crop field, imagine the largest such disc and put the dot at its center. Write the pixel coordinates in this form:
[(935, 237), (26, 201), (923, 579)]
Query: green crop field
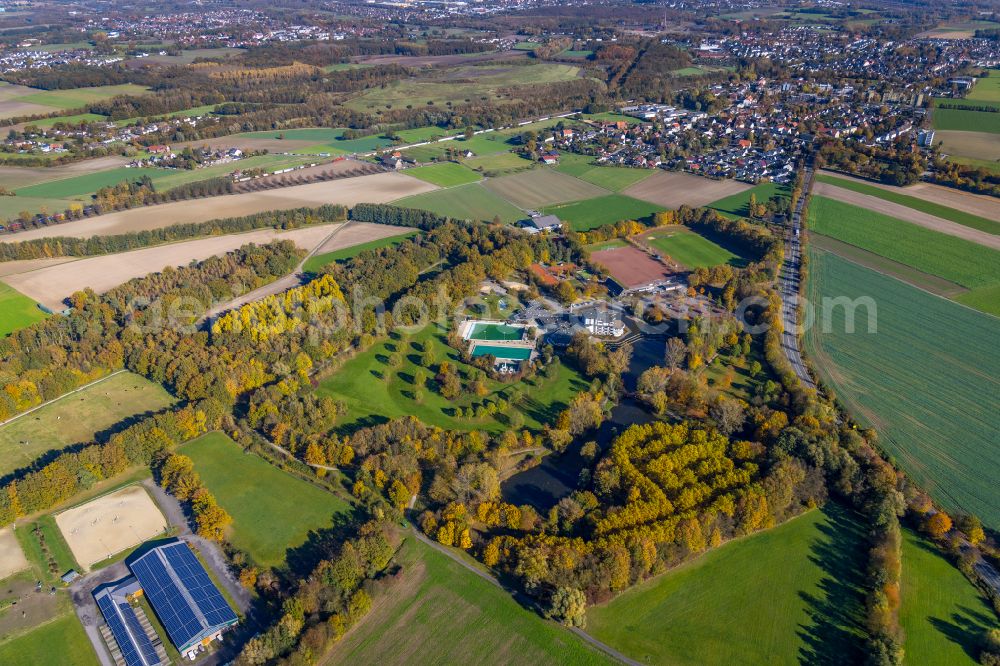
[(789, 595), (944, 212), (542, 187), (441, 613), (958, 260), (318, 261), (689, 248), (77, 417), (77, 186), (60, 641), (428, 133), (928, 380), (328, 139), (965, 120), (987, 89), (374, 391), (272, 510), (943, 615), (498, 164), (11, 207), (480, 145), (592, 213), (466, 202), (738, 205), (611, 178), (73, 119), (446, 174), (17, 311), (77, 97)]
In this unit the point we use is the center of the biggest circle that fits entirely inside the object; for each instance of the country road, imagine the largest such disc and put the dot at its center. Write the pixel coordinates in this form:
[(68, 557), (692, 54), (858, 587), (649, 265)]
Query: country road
[(788, 283)]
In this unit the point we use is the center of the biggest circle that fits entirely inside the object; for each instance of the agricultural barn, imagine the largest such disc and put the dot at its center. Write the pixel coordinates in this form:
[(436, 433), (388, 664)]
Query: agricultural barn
[(188, 604)]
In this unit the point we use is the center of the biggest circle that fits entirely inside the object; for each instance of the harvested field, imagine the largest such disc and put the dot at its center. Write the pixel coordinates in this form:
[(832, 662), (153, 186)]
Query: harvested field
[(51, 285), (671, 190), (25, 265), (911, 215), (12, 558), (630, 267), (106, 526), (976, 204), (977, 145), (537, 188), (378, 188), (244, 143)]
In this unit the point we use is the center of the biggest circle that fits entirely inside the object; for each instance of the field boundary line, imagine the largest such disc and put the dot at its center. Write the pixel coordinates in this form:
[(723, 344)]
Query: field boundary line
[(64, 395)]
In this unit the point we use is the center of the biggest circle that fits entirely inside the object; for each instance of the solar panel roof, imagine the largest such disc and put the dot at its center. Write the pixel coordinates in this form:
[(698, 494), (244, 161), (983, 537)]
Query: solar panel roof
[(188, 603), (134, 644)]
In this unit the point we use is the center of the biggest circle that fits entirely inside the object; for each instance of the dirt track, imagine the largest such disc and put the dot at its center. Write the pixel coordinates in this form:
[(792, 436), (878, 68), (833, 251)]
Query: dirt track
[(975, 204), (672, 189), (911, 215), (378, 188)]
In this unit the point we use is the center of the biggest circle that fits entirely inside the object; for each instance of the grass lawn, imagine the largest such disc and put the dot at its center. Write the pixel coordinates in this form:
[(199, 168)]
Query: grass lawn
[(498, 163), (606, 245), (61, 641), (944, 212), (76, 418), (785, 596), (317, 262), (611, 178), (943, 615), (77, 97), (963, 262), (965, 120), (418, 134), (370, 397), (690, 248), (447, 174), (928, 379), (593, 213), (738, 205), (17, 311), (272, 510), (440, 613), (465, 202), (987, 89)]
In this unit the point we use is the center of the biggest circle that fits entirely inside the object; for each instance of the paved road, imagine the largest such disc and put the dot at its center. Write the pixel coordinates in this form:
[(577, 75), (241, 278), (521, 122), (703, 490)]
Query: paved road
[(788, 284)]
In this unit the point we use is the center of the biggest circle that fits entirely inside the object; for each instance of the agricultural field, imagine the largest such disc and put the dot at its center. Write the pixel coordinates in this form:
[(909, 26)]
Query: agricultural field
[(498, 164), (972, 148), (943, 615), (592, 213), (321, 139), (317, 261), (792, 594), (689, 248), (965, 120), (987, 88), (374, 391), (76, 97), (465, 202), (611, 178), (60, 641), (446, 174), (928, 380), (17, 311), (78, 186), (78, 418), (439, 612), (672, 189), (72, 119), (923, 205), (542, 187), (272, 510), (738, 205)]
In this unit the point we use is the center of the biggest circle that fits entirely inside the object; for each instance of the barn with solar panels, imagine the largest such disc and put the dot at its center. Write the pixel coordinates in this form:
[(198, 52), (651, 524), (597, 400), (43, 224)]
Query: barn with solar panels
[(187, 603)]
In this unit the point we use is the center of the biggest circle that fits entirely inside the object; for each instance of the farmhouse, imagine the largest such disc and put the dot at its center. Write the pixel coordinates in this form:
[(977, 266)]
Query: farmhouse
[(539, 223), (188, 604)]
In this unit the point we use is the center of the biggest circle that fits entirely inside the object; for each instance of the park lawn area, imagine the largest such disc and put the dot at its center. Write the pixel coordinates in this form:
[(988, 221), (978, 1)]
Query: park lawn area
[(593, 213), (690, 248), (441, 613), (76, 97), (17, 311), (316, 262), (272, 510), (944, 212), (498, 163), (792, 594), (77, 418), (943, 615), (966, 120), (374, 392), (611, 178), (927, 379), (465, 202), (956, 259), (446, 174), (61, 641), (738, 205)]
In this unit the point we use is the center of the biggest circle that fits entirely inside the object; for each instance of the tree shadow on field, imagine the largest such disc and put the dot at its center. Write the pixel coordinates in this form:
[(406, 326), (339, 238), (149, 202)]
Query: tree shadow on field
[(322, 544), (966, 628), (834, 632)]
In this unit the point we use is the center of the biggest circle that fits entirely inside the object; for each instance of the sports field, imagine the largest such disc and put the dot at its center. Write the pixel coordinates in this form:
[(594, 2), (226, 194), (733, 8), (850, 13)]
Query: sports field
[(542, 187), (317, 261), (272, 510), (943, 615), (17, 311), (928, 380), (689, 248), (447, 174), (438, 612), (789, 595), (12, 557), (592, 213), (76, 418), (629, 266), (61, 641), (494, 332), (465, 202), (374, 391)]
